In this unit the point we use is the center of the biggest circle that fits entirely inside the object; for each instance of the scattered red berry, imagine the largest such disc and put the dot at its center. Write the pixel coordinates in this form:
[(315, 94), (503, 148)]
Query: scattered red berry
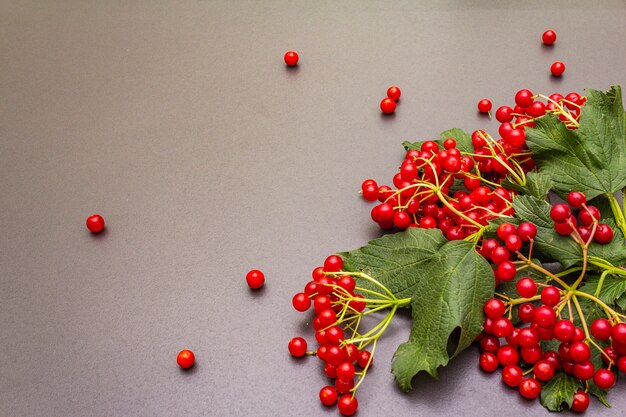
[(557, 69), (347, 405), (255, 279), (387, 106), (291, 58), (95, 223), (328, 395), (394, 93), (484, 106), (549, 37), (185, 359), (297, 347)]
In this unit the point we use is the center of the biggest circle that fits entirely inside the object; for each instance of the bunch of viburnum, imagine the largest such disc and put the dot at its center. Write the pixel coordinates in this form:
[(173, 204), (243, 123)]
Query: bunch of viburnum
[(475, 228)]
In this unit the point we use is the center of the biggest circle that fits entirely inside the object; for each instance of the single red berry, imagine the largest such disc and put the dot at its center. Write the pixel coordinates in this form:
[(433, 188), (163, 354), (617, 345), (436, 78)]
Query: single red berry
[(524, 98), (387, 106), (567, 227), (601, 329), (526, 312), (185, 359), (502, 327), (504, 114), (344, 386), (526, 287), (494, 308), (500, 254), (291, 58), (581, 401), (347, 405), (564, 331), (621, 364), (345, 371), (513, 243), (604, 234), (559, 213), (530, 388), (297, 347), (394, 93), (301, 302), (604, 379), (619, 333), (544, 371), (507, 355), (328, 395), (255, 279), (506, 271), (550, 296), (333, 263), (489, 343), (95, 223), (532, 354), (557, 68), (528, 337), (545, 316), (364, 358), (526, 231), (579, 352), (449, 143), (488, 362), (584, 370), (505, 229), (549, 37), (588, 215), (512, 375), (484, 106), (576, 199)]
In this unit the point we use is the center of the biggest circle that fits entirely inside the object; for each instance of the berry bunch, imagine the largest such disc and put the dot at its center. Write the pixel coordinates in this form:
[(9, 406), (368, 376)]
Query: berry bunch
[(565, 222), (339, 305), (424, 198)]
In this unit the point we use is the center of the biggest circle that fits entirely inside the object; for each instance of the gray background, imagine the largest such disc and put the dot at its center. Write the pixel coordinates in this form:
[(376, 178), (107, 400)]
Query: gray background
[(179, 122)]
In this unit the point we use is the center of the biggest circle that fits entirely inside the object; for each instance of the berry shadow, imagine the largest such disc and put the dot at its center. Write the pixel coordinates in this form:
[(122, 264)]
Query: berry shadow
[(292, 70), (189, 371), (100, 235), (388, 116)]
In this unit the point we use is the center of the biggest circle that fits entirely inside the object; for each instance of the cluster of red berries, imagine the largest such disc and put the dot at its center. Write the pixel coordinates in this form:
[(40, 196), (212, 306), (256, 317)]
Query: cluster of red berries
[(388, 104), (565, 222), (423, 196), (334, 302), (510, 241), (514, 348)]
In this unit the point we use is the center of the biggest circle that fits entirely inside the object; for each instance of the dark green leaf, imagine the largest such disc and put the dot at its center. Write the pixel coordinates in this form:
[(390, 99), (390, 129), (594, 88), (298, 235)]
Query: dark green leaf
[(537, 184), (562, 248), (590, 159), (600, 394), (448, 283), (612, 289), (559, 390)]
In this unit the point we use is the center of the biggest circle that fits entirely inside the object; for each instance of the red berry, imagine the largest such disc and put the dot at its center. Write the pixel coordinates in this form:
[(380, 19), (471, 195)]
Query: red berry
[(604, 234), (513, 243), (484, 105), (504, 114), (255, 279), (347, 405), (619, 333), (604, 379), (601, 329), (301, 302), (333, 264), (344, 386), (549, 37), (387, 106), (490, 344), (502, 327), (297, 347), (530, 388), (621, 364), (291, 58), (557, 68), (581, 401), (488, 362), (369, 190), (584, 370), (500, 254), (544, 371), (579, 352), (506, 271), (559, 213), (526, 231), (512, 375), (505, 229), (588, 215), (507, 355), (576, 199), (567, 227), (449, 143), (185, 359), (524, 98), (394, 93), (345, 371), (526, 287), (528, 337), (526, 312), (550, 296), (494, 308), (328, 395), (95, 223), (564, 330), (364, 358)]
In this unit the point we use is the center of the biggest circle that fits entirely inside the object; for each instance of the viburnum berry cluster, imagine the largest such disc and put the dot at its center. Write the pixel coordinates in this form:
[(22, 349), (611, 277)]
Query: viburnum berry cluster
[(520, 327), (339, 305)]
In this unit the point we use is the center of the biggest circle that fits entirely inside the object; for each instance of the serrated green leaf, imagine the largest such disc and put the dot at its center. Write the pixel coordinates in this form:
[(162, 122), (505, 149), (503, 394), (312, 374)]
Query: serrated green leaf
[(448, 283), (590, 159), (463, 140), (600, 394), (537, 184), (562, 248), (558, 391), (612, 289)]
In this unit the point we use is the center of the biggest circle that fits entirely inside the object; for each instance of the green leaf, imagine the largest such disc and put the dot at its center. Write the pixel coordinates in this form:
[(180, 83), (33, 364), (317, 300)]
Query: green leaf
[(537, 185), (590, 159), (448, 282), (559, 248), (600, 394), (612, 289), (463, 140), (560, 389)]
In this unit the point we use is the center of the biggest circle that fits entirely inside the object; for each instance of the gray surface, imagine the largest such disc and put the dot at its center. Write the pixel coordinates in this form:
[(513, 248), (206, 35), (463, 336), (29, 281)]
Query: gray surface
[(179, 123)]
